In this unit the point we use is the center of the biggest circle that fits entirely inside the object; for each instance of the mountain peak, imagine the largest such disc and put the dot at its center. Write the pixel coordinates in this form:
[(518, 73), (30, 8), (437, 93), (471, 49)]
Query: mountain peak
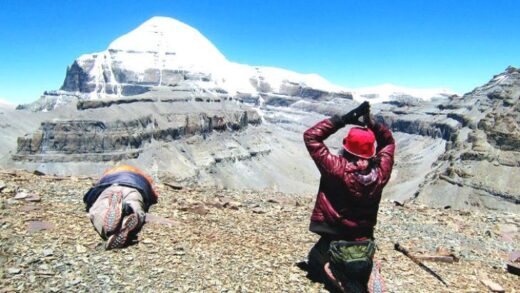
[(171, 41), (165, 52)]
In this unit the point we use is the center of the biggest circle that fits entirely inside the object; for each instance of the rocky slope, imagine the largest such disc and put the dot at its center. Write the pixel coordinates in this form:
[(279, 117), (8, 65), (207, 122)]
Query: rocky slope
[(95, 140), (215, 240), (482, 159)]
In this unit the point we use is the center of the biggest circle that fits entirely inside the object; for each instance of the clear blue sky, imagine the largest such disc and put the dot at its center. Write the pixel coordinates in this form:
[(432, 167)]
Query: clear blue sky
[(441, 43)]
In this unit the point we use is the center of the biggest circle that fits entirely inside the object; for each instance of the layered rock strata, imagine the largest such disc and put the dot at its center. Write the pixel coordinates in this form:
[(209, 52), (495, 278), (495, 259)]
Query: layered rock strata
[(94, 140)]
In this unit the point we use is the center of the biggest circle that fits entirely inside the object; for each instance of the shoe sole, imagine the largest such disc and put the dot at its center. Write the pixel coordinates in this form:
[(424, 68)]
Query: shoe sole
[(114, 213), (119, 239)]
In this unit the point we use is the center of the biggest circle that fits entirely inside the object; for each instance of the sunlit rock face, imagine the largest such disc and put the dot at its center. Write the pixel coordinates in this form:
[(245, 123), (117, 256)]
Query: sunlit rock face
[(481, 166)]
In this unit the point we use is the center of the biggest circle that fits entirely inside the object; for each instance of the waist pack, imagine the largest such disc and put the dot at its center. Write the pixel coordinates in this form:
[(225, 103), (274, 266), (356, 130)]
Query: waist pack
[(351, 263)]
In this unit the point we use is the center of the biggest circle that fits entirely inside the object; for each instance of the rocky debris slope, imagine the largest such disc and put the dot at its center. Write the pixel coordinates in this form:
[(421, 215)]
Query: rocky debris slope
[(481, 164), (474, 159), (215, 240)]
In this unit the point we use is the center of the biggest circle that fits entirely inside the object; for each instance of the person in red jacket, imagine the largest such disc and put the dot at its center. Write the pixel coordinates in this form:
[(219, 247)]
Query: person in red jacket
[(351, 183)]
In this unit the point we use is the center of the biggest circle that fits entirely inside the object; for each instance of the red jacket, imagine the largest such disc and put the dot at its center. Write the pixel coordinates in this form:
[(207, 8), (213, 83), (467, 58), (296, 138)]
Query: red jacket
[(348, 201)]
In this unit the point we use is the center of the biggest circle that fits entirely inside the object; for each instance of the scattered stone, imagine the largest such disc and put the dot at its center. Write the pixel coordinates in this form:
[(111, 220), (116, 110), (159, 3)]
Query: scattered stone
[(73, 282), (35, 226), (38, 173), (33, 198), (443, 250), (198, 209), (80, 248), (173, 186), (9, 190), (216, 203), (2, 186), (508, 232), (513, 266), (45, 273), (274, 200), (151, 218), (14, 271), (147, 241), (283, 200), (12, 201), (21, 195), (492, 286), (48, 252), (233, 249), (258, 210), (234, 205), (514, 256), (28, 208)]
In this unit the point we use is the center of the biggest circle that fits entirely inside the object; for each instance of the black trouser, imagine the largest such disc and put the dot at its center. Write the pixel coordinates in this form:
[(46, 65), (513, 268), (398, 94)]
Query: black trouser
[(317, 258)]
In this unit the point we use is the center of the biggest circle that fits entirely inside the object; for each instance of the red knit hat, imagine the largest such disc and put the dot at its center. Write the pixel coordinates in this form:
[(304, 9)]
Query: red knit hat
[(360, 142)]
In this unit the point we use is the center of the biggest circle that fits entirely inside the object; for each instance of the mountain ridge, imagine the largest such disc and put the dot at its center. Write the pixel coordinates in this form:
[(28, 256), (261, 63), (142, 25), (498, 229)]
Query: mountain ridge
[(163, 52)]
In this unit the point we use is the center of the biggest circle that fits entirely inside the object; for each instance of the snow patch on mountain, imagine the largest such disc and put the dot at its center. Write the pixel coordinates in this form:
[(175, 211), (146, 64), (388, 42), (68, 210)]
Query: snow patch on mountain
[(164, 42), (6, 105), (388, 92)]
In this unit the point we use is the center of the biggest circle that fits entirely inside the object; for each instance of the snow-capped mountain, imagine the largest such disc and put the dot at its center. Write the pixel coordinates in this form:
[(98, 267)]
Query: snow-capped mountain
[(162, 97), (164, 54)]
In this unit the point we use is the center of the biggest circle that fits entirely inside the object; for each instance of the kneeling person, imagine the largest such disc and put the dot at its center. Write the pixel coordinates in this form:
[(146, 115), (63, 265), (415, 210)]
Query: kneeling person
[(118, 203), (347, 202)]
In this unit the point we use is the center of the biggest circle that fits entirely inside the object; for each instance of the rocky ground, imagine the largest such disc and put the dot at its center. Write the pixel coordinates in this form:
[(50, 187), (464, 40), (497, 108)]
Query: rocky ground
[(228, 241)]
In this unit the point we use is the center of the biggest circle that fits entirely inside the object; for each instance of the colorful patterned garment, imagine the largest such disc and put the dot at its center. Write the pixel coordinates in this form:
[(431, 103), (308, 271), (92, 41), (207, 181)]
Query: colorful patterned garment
[(376, 283)]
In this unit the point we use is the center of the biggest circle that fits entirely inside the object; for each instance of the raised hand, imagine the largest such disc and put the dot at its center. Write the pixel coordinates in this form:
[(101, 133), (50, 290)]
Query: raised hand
[(353, 116)]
